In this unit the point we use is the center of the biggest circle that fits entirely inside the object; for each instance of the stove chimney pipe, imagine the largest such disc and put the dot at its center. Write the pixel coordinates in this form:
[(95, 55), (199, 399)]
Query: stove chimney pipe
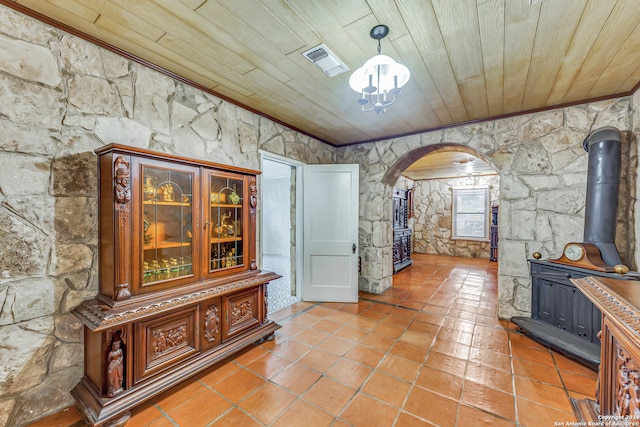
[(603, 181)]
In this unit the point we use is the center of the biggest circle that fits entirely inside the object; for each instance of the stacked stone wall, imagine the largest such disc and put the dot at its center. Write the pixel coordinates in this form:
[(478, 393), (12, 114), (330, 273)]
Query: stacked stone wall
[(542, 169), (60, 99), (432, 222)]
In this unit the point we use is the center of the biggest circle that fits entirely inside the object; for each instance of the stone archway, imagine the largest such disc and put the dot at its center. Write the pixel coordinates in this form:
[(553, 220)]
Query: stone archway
[(542, 169), (395, 171), (432, 222), (381, 163)]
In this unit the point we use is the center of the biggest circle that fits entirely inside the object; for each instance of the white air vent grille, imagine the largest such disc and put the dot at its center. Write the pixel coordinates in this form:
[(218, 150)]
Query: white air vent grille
[(326, 60)]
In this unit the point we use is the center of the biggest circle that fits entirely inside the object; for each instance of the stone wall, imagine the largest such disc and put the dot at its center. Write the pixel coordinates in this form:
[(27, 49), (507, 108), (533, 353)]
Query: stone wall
[(432, 225), (60, 99), (633, 183), (542, 168)]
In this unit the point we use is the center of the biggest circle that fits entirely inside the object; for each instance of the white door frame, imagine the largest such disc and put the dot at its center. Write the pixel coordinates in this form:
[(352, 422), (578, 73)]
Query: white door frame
[(298, 213)]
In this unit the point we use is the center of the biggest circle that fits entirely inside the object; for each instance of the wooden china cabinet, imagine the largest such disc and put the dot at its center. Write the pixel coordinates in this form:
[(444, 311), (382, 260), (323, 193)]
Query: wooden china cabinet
[(179, 286), (617, 391)]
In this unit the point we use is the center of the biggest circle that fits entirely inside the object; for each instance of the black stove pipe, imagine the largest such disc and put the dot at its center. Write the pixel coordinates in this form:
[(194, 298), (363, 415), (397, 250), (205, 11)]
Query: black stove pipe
[(603, 181)]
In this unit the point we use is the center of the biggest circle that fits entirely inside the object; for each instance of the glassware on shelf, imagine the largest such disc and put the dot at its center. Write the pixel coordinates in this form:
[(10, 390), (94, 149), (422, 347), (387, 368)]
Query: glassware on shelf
[(226, 216), (167, 229), (234, 198), (227, 225), (231, 258), (214, 258), (184, 266), (150, 271), (163, 273), (186, 263), (165, 191), (149, 189), (146, 272), (218, 197)]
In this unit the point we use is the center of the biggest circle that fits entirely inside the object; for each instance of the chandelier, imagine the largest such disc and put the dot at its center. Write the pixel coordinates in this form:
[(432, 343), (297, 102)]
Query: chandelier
[(380, 79)]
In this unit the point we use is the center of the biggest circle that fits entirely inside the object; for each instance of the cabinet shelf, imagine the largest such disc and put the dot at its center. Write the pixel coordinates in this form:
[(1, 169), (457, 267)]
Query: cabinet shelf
[(165, 203), (225, 205), (226, 239), (167, 245)]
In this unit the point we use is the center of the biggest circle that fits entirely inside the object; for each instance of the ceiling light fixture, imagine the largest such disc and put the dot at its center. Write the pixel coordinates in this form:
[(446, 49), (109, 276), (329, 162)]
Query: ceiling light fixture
[(464, 161), (380, 79)]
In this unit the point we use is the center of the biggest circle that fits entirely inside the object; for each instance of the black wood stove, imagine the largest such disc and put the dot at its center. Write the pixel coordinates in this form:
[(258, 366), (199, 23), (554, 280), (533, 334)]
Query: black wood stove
[(561, 316)]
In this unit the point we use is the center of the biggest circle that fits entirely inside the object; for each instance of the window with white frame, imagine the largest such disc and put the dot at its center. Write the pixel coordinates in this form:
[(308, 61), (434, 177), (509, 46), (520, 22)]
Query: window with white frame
[(470, 213)]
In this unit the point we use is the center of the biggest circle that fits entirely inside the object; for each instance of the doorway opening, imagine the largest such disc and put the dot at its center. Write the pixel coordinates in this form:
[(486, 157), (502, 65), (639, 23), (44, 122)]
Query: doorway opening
[(278, 232), (453, 205)]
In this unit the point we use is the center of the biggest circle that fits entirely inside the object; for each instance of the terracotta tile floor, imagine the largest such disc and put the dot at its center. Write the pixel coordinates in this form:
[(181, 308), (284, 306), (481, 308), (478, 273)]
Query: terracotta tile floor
[(430, 351)]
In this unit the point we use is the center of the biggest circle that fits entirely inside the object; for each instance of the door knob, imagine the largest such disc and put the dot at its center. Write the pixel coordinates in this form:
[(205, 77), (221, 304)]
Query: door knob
[(353, 248)]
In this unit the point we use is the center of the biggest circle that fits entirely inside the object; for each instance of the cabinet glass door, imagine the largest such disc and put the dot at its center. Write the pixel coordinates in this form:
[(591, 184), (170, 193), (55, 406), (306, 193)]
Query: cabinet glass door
[(226, 222), (167, 224)]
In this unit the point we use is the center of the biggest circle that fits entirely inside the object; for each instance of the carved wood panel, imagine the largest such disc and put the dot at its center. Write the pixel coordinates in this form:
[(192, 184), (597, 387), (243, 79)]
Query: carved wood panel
[(627, 380), (165, 340), (122, 189), (211, 335), (397, 251), (242, 312)]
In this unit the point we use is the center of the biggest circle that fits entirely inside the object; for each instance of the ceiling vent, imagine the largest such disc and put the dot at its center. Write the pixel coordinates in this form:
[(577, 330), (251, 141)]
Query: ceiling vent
[(326, 60)]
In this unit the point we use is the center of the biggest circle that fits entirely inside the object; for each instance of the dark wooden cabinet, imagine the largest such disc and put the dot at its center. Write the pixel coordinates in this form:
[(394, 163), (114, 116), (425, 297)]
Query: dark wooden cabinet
[(179, 288), (493, 254), (617, 393), (402, 234)]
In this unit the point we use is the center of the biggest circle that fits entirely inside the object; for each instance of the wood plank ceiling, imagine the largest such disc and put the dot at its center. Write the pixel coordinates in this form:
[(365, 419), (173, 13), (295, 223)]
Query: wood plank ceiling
[(469, 59)]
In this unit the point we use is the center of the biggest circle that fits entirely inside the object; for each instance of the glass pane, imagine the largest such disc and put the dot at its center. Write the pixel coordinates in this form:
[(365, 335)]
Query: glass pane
[(471, 201), (470, 225), (226, 223), (167, 233)]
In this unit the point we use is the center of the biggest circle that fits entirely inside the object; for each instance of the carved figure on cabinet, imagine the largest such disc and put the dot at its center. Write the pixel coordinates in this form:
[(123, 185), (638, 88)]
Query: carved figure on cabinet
[(253, 193), (627, 401), (123, 175), (115, 369), (241, 312), (176, 337), (159, 341), (266, 300), (634, 393)]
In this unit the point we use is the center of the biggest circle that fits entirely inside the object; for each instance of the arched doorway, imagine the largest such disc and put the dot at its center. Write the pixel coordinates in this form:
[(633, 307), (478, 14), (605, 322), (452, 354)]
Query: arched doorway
[(542, 168), (455, 194)]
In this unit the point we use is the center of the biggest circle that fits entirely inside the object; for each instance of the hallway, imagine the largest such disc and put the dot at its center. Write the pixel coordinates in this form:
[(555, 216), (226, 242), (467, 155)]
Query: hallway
[(430, 351)]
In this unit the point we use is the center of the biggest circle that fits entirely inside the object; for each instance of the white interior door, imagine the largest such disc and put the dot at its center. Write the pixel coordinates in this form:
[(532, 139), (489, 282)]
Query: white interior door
[(331, 233)]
